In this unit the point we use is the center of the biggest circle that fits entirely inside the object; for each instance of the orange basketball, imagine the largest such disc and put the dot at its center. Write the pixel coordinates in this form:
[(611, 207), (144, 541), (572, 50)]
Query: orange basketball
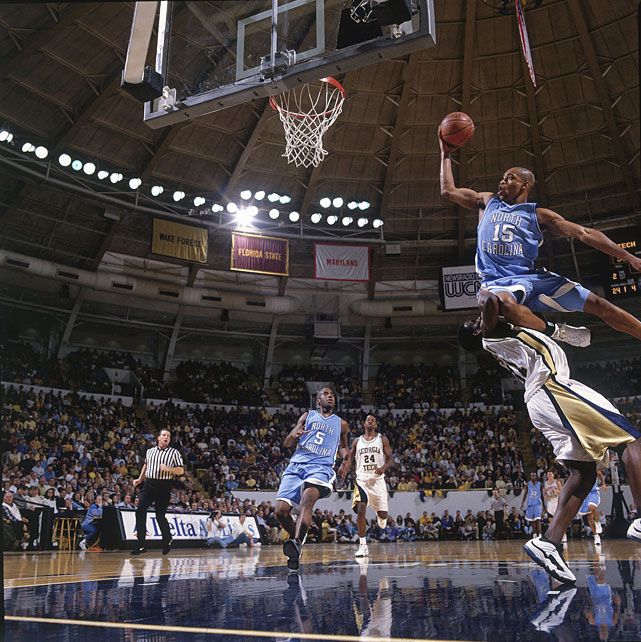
[(456, 129)]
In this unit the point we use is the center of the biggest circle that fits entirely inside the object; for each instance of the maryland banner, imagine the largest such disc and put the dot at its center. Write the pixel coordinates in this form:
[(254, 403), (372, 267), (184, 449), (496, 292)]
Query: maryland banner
[(259, 254), (186, 242), (341, 262)]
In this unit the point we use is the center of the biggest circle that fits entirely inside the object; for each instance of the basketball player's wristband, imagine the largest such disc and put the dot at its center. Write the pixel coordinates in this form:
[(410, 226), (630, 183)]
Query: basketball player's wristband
[(550, 328)]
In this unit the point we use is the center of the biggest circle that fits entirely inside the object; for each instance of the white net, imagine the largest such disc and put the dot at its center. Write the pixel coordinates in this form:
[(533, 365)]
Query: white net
[(307, 112)]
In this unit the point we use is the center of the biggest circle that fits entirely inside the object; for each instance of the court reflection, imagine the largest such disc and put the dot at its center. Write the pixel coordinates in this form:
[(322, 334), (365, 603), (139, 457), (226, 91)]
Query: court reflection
[(368, 599)]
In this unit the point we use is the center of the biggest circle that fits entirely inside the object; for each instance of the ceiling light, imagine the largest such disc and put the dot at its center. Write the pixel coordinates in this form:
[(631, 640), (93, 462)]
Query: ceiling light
[(332, 219), (363, 205), (116, 177), (273, 197), (134, 183), (27, 147), (232, 207), (64, 160), (244, 218), (198, 201), (157, 190), (377, 222), (178, 195), (316, 217), (245, 195), (4, 136), (352, 205), (216, 207), (76, 165), (337, 202), (42, 152), (274, 213), (102, 174), (362, 222), (259, 195), (294, 216), (346, 220), (325, 202), (285, 199), (253, 210), (89, 168)]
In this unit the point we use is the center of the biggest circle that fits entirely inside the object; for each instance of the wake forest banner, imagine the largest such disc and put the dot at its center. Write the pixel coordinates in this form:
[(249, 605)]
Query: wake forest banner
[(186, 242), (259, 254), (341, 262)]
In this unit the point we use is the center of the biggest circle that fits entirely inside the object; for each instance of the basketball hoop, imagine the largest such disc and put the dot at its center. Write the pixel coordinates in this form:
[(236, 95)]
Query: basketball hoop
[(307, 112)]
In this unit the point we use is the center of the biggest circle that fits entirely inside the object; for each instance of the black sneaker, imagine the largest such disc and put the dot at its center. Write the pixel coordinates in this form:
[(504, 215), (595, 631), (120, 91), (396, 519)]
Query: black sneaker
[(167, 547), (292, 550), (138, 550)]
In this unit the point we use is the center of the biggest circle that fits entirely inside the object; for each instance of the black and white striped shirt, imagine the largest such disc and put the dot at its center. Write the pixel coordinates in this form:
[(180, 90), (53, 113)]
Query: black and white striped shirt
[(157, 456)]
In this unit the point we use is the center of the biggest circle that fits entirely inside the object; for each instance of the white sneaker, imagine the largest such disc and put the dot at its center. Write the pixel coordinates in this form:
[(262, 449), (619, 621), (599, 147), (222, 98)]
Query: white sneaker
[(552, 612), (547, 556), (634, 530), (597, 539), (82, 545), (362, 551), (579, 337), (382, 523)]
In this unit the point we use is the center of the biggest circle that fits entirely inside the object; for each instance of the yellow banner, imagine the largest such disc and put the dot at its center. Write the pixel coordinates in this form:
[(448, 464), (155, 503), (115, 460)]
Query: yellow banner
[(186, 242)]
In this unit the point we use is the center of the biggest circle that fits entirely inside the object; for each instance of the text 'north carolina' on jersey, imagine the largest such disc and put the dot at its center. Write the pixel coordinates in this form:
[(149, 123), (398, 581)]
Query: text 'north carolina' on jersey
[(369, 457), (508, 240), (531, 357), (319, 442)]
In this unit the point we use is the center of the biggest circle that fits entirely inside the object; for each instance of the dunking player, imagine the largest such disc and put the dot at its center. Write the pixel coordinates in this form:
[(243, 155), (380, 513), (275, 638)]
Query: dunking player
[(373, 455), (579, 422), (590, 507), (509, 235), (310, 474)]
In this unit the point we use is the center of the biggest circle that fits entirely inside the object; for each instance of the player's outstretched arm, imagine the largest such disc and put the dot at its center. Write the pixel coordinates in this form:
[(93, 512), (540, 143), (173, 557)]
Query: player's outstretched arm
[(344, 450), (468, 198), (297, 431), (598, 240)]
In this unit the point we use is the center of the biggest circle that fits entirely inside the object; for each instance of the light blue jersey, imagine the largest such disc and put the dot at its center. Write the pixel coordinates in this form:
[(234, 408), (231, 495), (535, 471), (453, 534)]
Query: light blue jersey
[(594, 497), (508, 242), (533, 493), (601, 596), (320, 440)]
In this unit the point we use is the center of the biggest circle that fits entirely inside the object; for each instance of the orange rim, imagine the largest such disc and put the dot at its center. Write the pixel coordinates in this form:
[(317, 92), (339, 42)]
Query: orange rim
[(330, 80)]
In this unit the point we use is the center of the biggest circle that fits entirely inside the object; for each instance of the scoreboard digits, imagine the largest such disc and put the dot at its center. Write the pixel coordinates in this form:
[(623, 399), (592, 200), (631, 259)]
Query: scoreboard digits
[(622, 280)]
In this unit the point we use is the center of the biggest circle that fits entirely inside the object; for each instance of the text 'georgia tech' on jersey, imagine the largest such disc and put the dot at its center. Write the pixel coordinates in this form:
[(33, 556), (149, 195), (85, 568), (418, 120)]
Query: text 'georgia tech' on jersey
[(320, 439), (369, 456), (508, 240)]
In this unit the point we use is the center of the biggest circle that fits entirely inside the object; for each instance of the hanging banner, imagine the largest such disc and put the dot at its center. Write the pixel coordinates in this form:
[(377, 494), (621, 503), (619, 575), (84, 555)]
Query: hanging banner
[(459, 286), (341, 262), (186, 242), (259, 254), (525, 41)]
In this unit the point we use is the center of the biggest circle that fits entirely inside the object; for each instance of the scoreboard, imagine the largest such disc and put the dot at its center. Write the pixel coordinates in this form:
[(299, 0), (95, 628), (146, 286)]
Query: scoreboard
[(621, 281)]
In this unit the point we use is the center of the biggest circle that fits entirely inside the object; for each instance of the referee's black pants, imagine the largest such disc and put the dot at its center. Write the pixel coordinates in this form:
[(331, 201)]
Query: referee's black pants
[(157, 492)]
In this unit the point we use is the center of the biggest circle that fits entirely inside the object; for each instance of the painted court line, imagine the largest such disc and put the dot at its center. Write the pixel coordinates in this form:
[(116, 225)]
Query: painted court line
[(211, 631)]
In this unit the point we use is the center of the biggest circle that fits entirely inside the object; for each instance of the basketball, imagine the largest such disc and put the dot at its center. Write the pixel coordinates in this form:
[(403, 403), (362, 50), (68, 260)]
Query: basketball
[(456, 129)]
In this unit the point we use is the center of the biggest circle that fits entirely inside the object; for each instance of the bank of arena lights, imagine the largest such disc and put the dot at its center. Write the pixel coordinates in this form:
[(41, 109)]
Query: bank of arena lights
[(178, 195), (294, 217), (362, 222), (134, 183), (274, 213), (116, 177), (316, 217), (245, 194), (42, 152), (102, 174), (217, 207), (259, 195), (157, 190), (331, 219), (376, 223), (76, 165), (6, 136), (198, 201), (89, 168), (64, 160)]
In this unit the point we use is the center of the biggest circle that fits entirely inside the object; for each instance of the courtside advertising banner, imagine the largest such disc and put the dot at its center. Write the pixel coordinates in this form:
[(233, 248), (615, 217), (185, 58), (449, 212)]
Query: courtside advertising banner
[(183, 526), (460, 286), (186, 242), (341, 262), (259, 254)]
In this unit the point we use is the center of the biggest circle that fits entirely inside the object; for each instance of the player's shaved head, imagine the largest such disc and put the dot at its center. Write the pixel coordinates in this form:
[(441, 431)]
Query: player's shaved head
[(525, 175)]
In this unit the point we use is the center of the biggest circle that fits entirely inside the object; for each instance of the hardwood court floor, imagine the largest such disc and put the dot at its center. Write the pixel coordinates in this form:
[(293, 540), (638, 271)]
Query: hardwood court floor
[(419, 591)]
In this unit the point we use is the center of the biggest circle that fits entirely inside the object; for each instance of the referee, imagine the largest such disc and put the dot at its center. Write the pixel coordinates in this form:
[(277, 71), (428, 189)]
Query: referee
[(162, 463)]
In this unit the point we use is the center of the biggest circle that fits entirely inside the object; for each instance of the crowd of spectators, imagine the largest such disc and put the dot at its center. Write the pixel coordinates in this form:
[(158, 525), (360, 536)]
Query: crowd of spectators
[(613, 379)]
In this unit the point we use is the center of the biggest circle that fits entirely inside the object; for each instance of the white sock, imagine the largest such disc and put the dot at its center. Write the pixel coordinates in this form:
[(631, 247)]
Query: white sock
[(362, 541), (599, 528)]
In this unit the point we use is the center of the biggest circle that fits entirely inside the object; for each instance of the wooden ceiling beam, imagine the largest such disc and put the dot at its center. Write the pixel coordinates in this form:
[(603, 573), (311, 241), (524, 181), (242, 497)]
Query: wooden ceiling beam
[(618, 150), (468, 61)]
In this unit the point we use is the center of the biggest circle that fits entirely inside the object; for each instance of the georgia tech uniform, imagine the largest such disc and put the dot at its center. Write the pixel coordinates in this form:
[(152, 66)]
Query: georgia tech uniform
[(370, 487), (580, 423)]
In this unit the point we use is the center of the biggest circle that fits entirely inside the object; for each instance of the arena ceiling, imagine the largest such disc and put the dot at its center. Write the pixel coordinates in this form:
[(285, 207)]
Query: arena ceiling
[(578, 130)]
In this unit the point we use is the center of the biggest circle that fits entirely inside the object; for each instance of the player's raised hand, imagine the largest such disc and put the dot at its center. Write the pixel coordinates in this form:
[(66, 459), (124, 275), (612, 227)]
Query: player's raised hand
[(445, 148)]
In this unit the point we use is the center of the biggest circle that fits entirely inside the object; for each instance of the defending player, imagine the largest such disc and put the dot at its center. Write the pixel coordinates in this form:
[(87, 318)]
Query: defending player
[(590, 507), (310, 475), (373, 455), (579, 422), (551, 491), (534, 497), (508, 239)]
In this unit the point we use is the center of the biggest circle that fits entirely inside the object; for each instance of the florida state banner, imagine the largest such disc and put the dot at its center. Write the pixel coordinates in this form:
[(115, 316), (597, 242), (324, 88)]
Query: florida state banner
[(259, 254), (341, 262), (186, 242)]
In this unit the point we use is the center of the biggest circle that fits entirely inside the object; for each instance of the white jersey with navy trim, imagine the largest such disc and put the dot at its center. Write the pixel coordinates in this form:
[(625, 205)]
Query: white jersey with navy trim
[(369, 457), (156, 456)]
